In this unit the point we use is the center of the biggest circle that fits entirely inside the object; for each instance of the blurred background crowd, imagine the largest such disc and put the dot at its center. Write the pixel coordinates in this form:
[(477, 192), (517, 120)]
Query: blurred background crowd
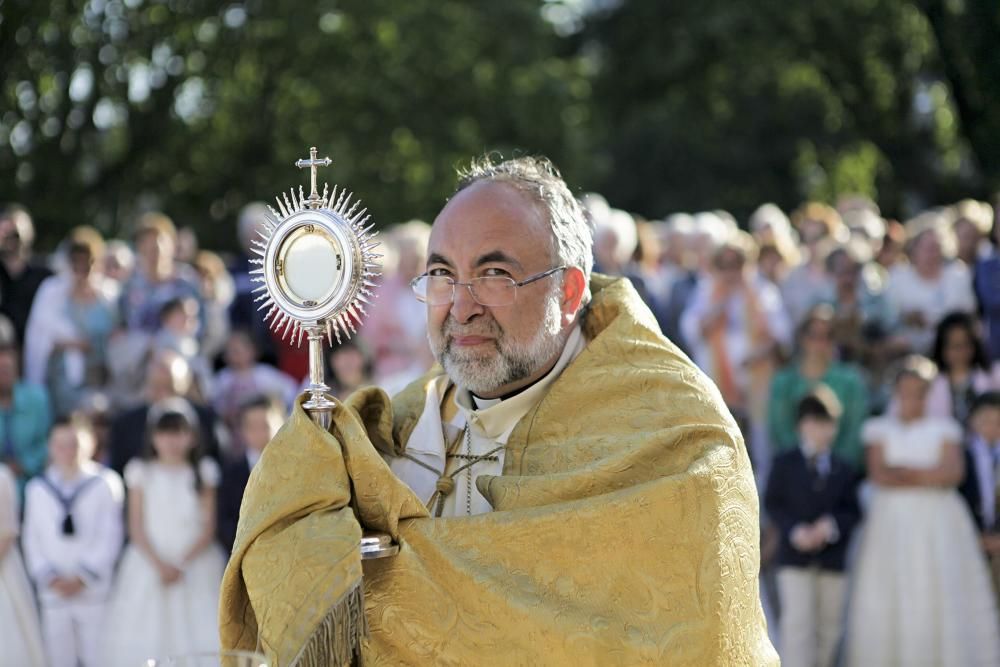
[(865, 298), (113, 332)]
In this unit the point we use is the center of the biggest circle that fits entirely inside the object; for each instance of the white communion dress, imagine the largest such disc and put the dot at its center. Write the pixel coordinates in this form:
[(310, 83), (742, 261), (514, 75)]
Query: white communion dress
[(921, 592), (148, 619), (20, 632)]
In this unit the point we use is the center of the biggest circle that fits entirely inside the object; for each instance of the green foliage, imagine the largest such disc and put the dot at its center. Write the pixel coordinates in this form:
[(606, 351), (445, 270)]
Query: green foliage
[(110, 107), (732, 104), (198, 109)]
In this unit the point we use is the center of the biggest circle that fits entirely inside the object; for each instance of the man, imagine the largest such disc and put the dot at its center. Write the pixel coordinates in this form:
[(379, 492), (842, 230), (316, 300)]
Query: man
[(168, 375), (20, 276), (572, 489)]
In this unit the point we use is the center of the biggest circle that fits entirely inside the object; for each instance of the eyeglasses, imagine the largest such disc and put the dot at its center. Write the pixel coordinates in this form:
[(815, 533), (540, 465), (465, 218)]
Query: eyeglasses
[(486, 291)]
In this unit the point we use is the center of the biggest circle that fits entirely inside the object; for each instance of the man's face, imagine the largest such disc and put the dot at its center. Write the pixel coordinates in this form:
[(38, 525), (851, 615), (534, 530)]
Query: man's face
[(492, 229), (10, 240)]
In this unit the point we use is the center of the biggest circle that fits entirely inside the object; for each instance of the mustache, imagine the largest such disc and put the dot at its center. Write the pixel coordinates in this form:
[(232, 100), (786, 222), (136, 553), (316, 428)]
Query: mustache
[(479, 327)]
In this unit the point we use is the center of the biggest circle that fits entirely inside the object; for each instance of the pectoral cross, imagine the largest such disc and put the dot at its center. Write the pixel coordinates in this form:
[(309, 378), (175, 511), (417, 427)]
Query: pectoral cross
[(314, 200)]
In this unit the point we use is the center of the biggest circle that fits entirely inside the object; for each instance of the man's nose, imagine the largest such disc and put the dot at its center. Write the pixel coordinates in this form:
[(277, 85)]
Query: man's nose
[(464, 307)]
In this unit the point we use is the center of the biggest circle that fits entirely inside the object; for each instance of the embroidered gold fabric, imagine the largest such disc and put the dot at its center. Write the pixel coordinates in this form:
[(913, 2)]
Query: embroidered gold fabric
[(625, 530)]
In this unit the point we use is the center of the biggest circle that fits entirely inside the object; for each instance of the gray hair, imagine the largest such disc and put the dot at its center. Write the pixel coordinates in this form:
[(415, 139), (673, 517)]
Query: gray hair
[(572, 231)]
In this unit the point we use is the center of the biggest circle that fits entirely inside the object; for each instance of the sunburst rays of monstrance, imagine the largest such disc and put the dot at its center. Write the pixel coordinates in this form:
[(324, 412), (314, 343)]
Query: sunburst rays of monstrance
[(317, 269)]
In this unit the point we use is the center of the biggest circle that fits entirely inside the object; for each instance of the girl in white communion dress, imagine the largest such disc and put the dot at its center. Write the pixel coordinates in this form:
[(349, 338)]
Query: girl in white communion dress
[(20, 633), (921, 589), (166, 599)]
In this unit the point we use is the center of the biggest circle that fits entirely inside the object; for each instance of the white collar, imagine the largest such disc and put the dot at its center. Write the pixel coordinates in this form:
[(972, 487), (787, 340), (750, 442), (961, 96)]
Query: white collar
[(496, 418), (88, 469)]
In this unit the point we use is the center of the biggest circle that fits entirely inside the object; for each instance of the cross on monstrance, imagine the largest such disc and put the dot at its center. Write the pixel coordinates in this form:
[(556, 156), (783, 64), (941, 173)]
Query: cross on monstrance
[(317, 270), (314, 201)]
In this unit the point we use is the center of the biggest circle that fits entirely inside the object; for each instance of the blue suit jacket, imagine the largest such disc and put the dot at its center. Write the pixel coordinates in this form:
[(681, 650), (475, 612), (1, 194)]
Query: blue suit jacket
[(796, 494)]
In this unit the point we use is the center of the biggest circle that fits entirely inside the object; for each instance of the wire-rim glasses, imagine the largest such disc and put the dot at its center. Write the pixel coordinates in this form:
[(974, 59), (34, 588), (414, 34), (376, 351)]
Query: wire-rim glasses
[(491, 291)]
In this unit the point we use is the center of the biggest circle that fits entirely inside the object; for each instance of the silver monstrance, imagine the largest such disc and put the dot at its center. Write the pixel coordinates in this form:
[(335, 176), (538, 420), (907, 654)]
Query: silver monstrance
[(317, 269)]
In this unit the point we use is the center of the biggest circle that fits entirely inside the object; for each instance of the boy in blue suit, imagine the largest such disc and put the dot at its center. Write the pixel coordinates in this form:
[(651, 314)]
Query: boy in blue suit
[(812, 497)]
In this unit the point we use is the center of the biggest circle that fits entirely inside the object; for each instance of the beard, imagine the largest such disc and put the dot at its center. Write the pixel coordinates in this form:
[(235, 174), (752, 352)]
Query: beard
[(503, 362)]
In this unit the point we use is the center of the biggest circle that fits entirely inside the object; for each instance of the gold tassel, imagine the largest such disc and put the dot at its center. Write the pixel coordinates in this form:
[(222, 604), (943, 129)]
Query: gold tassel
[(337, 640)]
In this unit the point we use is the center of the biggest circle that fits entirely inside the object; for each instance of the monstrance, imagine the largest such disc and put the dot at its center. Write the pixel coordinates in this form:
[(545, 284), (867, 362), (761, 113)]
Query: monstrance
[(317, 269)]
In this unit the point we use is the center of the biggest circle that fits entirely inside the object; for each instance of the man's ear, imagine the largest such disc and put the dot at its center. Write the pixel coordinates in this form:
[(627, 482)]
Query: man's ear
[(573, 288)]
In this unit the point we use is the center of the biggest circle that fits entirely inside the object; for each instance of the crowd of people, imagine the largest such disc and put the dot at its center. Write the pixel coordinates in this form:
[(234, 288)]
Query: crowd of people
[(860, 357)]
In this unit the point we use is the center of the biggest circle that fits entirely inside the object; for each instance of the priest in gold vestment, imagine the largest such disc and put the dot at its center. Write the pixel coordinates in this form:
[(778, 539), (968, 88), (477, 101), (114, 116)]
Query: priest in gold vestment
[(566, 487)]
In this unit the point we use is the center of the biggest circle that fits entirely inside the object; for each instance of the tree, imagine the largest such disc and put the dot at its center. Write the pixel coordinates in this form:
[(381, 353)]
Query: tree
[(733, 104), (116, 106)]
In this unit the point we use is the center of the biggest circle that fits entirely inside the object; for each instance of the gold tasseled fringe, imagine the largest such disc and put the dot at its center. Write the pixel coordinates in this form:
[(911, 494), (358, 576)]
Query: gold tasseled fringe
[(337, 640)]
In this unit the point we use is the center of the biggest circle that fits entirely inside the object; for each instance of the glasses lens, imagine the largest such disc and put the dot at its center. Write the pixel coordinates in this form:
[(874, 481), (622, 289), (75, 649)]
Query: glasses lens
[(438, 290), (493, 290)]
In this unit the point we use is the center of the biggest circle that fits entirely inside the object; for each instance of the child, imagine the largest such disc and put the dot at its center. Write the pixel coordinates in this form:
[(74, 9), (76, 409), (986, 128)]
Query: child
[(166, 598), (812, 497), (258, 420), (72, 537), (20, 638), (983, 476), (921, 590), (244, 378)]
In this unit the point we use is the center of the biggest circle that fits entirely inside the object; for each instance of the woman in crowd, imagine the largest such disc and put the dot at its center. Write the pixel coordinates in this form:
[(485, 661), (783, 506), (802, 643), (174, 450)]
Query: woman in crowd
[(809, 283), (930, 286), (922, 594), (71, 321), (735, 322), (816, 364), (964, 368)]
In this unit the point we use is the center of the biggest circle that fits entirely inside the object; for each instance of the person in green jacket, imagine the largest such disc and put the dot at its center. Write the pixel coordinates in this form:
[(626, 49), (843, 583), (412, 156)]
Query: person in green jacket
[(25, 418), (816, 364)]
